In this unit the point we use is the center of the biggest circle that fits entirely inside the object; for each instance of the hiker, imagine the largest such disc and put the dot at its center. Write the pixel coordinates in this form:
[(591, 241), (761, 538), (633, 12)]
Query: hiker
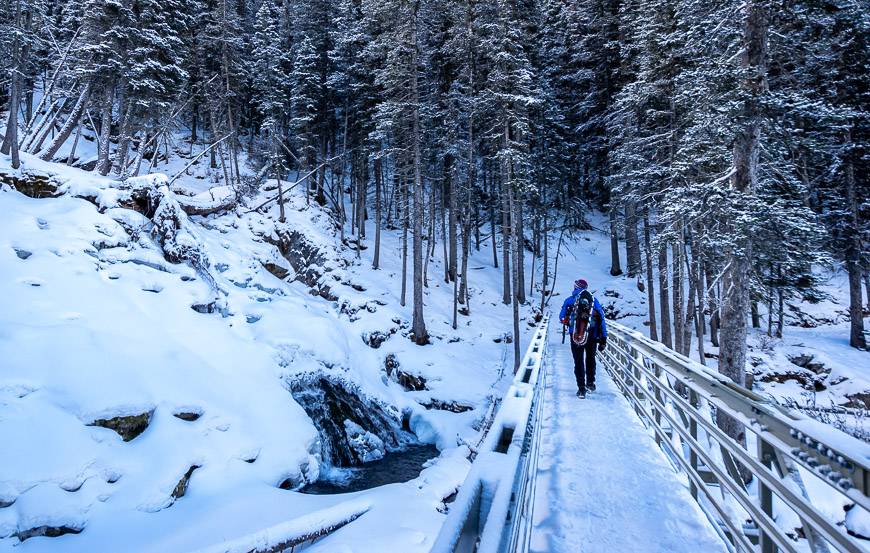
[(584, 317)]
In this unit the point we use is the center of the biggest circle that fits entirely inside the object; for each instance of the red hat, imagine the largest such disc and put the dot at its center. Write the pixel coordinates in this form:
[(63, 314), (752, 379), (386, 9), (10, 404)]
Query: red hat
[(581, 284)]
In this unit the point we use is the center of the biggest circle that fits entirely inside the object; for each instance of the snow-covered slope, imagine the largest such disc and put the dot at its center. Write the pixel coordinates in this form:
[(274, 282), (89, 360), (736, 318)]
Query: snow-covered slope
[(97, 327)]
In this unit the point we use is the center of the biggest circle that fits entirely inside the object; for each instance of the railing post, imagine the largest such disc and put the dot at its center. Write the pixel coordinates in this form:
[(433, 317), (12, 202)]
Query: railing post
[(767, 456), (693, 431)]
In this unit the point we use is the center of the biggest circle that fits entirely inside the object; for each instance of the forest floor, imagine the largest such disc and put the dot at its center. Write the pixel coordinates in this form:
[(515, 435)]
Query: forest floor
[(97, 325)]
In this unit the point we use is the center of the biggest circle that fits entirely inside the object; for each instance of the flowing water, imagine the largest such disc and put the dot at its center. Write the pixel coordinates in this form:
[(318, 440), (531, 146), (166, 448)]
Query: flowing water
[(396, 466)]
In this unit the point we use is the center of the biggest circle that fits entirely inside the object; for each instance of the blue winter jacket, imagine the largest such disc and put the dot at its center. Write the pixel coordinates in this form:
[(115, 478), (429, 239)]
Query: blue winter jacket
[(596, 332)]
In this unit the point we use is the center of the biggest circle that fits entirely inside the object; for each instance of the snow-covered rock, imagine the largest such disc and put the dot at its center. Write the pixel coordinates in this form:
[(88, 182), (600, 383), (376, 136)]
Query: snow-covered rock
[(365, 445)]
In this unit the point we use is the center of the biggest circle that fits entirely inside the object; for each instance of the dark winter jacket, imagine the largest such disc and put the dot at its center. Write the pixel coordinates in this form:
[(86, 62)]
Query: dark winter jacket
[(597, 331)]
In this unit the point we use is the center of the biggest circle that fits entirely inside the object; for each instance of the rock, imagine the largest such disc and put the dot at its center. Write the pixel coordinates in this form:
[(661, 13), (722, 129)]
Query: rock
[(127, 426), (452, 406), (47, 531), (365, 445), (188, 415), (33, 185), (305, 258), (22, 254), (181, 487), (391, 363), (376, 338), (6, 502), (329, 402), (805, 360), (410, 382), (205, 308), (277, 270), (860, 400)]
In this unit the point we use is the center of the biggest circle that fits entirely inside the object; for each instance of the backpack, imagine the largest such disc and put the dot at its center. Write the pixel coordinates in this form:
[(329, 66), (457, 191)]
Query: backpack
[(581, 317)]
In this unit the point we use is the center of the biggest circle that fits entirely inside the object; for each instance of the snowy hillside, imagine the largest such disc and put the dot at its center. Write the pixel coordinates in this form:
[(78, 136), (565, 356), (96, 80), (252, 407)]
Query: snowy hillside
[(197, 368)]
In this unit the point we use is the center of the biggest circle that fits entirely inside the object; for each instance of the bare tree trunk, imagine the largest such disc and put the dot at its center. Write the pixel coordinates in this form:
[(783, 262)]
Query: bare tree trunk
[(451, 222), (505, 236), (492, 218), (664, 296), (545, 278), (713, 302), (379, 176), (72, 152), (853, 262), (867, 286), (405, 223), (615, 267), (103, 163), (515, 276), (519, 247), (677, 280), (699, 290), (10, 139), (735, 280), (418, 325), (632, 244), (650, 292), (69, 125)]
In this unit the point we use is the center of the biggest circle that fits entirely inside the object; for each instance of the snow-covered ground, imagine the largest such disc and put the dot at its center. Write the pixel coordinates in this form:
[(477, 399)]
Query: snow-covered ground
[(95, 324)]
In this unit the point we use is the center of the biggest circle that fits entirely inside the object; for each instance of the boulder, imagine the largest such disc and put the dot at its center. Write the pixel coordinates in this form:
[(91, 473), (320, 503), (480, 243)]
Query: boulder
[(127, 426), (365, 445)]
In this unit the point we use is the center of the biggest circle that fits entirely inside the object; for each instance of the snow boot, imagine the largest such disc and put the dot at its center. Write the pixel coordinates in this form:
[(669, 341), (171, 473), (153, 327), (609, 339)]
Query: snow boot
[(581, 394), (591, 387)]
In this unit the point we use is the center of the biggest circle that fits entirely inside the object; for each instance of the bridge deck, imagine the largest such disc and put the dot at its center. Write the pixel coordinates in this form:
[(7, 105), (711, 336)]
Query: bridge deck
[(603, 485)]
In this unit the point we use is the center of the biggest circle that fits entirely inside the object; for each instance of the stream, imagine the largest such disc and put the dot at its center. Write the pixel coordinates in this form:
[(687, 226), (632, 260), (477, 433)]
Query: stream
[(396, 466)]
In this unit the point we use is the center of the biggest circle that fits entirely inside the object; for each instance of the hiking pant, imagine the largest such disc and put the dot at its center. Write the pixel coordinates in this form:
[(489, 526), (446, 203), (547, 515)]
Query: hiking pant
[(584, 372)]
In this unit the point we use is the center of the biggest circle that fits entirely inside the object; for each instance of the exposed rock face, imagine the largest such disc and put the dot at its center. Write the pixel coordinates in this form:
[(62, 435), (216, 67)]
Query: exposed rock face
[(330, 403), (408, 381), (277, 270), (365, 445), (181, 487), (188, 415), (47, 531), (305, 258), (806, 361), (376, 338), (33, 185), (452, 406), (127, 426)]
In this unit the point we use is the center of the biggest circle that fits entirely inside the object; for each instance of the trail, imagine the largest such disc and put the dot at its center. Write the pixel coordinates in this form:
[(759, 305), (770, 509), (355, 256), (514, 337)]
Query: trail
[(603, 485)]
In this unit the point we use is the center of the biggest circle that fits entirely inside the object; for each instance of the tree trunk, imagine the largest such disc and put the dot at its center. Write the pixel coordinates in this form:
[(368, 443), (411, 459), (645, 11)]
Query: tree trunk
[(103, 163), (615, 267), (632, 243), (650, 289), (505, 235), (379, 176), (519, 248), (853, 263), (418, 325), (677, 280), (69, 124), (664, 296), (451, 222), (518, 260), (735, 279), (10, 139)]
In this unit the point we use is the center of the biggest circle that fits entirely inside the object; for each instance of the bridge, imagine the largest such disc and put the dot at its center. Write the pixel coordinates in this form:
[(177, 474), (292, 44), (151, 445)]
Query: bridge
[(641, 465)]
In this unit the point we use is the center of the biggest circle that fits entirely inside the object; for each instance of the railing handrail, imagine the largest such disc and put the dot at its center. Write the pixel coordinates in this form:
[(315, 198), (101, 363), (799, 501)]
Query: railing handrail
[(676, 396), (491, 512)]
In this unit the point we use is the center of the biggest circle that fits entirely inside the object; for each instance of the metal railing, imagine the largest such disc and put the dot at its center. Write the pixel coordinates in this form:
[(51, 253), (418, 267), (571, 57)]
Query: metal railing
[(493, 509), (770, 490)]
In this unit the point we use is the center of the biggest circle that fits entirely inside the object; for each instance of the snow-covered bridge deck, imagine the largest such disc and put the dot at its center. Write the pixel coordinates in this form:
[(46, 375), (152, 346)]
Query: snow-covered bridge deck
[(602, 485)]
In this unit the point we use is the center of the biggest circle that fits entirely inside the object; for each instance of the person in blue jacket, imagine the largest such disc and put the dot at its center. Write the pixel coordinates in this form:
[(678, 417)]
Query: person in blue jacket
[(584, 356)]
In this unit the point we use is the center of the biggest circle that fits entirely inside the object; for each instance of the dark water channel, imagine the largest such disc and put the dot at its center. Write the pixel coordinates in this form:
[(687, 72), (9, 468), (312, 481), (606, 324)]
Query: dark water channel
[(395, 466)]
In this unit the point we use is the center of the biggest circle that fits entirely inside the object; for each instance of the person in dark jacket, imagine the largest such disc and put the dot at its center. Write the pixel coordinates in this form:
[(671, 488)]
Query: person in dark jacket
[(584, 356)]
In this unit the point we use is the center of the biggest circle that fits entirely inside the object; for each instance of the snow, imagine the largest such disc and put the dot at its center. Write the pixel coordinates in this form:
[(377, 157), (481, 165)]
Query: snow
[(603, 485), (96, 323)]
